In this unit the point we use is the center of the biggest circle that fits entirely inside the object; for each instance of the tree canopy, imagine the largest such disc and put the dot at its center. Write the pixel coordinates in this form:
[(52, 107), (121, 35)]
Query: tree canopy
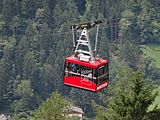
[(36, 37)]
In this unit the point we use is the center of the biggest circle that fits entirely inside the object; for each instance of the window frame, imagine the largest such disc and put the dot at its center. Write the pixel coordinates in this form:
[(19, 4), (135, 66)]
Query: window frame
[(105, 76)]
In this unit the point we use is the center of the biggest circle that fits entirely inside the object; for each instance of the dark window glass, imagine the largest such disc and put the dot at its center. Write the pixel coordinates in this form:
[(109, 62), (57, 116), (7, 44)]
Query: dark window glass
[(101, 70), (87, 73), (72, 69), (103, 73), (106, 68), (85, 70)]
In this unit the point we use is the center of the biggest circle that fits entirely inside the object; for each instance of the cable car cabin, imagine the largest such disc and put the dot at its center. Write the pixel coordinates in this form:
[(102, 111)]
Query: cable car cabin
[(92, 76), (82, 69)]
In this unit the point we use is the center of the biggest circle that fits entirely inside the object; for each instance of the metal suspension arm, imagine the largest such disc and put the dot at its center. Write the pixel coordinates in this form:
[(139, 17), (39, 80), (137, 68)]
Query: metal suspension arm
[(95, 49), (83, 47), (73, 37)]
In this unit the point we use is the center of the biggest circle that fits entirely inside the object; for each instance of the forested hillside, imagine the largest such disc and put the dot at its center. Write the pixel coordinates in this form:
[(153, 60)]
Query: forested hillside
[(35, 39)]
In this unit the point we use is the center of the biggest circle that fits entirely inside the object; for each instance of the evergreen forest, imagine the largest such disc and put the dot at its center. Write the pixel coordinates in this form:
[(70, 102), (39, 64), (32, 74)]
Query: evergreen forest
[(36, 37)]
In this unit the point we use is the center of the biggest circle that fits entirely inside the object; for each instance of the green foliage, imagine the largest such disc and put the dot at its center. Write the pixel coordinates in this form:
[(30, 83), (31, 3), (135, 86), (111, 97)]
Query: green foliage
[(29, 66), (24, 89), (130, 54), (22, 103), (153, 115), (23, 92), (54, 108), (99, 111), (35, 39), (156, 103), (48, 83), (6, 68), (131, 96), (16, 116), (2, 80), (83, 99), (151, 63), (153, 52), (147, 26)]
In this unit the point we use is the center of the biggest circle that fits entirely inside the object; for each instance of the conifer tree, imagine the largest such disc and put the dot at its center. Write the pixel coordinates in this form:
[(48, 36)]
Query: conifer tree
[(131, 96)]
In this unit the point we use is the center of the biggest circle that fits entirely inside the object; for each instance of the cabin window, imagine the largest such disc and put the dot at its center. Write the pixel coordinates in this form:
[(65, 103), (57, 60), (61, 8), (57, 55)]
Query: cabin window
[(85, 70), (87, 73), (103, 74), (72, 69)]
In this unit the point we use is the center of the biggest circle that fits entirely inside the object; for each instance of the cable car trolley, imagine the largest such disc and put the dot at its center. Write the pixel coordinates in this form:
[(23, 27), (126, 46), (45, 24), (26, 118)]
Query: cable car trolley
[(84, 69)]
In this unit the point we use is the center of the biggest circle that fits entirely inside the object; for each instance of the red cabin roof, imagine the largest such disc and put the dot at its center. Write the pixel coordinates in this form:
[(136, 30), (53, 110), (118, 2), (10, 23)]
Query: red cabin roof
[(99, 62)]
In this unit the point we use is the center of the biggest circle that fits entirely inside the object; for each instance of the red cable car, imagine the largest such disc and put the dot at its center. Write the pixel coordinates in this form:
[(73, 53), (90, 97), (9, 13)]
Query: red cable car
[(82, 69)]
